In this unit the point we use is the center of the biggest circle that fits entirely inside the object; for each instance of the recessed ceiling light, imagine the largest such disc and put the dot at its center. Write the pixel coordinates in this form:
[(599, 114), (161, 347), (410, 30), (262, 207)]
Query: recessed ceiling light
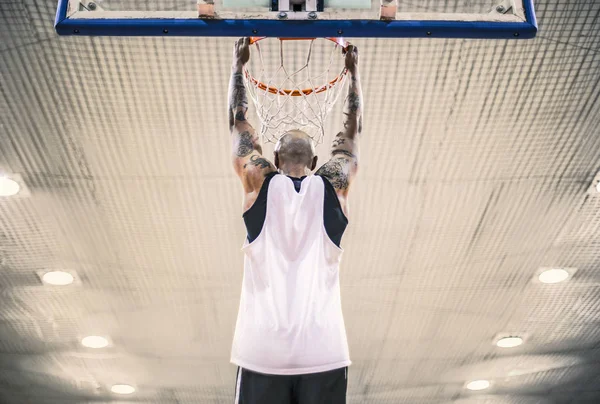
[(8, 187), (58, 278), (598, 186), (553, 275), (94, 341), (478, 385), (509, 342), (122, 389)]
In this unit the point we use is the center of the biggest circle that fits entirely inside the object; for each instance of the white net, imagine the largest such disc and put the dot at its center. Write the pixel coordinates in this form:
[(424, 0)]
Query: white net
[(294, 84)]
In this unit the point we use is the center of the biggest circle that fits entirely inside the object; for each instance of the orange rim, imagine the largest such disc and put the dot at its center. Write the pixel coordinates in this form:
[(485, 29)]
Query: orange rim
[(297, 93)]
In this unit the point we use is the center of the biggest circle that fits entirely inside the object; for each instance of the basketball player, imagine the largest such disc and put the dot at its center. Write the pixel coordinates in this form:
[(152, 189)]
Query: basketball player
[(290, 340)]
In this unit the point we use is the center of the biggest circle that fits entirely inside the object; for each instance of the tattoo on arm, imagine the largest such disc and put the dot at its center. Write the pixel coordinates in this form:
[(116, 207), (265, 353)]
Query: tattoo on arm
[(240, 116), (238, 99), (353, 102), (245, 145), (238, 91), (238, 109), (335, 173), (344, 152), (258, 161), (337, 143), (353, 107), (344, 162), (339, 140)]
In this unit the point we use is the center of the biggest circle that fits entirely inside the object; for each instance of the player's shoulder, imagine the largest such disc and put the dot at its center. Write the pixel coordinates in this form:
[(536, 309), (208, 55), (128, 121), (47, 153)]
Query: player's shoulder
[(337, 172)]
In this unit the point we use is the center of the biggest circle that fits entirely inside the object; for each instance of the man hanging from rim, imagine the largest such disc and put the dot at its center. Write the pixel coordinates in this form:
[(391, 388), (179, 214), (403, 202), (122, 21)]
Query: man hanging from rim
[(290, 341)]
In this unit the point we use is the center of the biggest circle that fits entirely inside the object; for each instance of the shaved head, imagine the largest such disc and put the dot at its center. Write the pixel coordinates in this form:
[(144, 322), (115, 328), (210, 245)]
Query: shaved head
[(295, 148)]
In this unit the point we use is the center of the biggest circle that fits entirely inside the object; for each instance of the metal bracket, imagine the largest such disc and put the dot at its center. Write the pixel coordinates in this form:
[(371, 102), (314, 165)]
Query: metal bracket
[(297, 5), (509, 7), (388, 10), (301, 9), (503, 7), (89, 5), (206, 9)]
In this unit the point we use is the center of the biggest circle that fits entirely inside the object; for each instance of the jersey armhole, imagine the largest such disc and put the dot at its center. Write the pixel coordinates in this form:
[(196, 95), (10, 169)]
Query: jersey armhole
[(334, 219), (256, 216), (261, 194), (334, 196)]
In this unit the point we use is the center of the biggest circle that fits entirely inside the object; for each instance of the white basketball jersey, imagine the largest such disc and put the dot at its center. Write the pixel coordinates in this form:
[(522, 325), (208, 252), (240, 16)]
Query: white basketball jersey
[(290, 316)]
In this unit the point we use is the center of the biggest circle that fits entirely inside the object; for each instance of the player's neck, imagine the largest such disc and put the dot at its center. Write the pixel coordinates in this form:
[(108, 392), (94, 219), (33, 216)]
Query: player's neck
[(294, 171)]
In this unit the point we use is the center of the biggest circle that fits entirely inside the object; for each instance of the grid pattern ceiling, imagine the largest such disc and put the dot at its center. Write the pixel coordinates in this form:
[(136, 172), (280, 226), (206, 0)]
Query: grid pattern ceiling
[(476, 163)]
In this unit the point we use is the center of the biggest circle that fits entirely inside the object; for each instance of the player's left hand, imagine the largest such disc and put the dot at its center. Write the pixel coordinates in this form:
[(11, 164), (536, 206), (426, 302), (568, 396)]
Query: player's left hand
[(241, 51)]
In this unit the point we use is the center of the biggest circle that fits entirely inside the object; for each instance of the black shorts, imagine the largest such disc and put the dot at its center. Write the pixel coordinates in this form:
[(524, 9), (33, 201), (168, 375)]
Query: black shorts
[(314, 388)]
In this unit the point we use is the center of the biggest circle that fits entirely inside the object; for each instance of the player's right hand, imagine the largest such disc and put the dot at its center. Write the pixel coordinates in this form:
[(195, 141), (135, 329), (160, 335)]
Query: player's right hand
[(352, 58), (241, 51)]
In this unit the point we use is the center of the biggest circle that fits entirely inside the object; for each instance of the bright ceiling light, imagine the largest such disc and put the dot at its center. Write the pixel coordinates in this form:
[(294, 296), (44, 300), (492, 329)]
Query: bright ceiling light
[(553, 275), (478, 385), (94, 341), (509, 342), (58, 278), (122, 389), (598, 186), (8, 187)]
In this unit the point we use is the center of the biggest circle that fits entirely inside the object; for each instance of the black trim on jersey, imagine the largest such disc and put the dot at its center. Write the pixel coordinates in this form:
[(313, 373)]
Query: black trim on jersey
[(254, 218), (333, 216)]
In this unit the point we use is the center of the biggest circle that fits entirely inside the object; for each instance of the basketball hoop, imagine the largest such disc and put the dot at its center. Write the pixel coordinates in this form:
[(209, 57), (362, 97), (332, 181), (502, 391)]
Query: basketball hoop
[(295, 97)]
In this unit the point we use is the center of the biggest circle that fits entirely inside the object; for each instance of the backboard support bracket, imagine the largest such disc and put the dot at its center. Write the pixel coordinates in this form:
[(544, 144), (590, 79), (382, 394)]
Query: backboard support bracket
[(206, 9), (298, 6), (388, 10)]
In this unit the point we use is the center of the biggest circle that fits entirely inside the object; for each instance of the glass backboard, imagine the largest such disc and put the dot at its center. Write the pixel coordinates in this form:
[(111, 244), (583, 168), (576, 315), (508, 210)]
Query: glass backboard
[(299, 18)]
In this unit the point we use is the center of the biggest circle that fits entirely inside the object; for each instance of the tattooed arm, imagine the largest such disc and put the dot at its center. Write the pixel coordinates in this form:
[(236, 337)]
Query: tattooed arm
[(343, 164), (248, 162)]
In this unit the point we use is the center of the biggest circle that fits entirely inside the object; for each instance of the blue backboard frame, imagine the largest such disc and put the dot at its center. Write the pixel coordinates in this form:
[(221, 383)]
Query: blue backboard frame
[(296, 29)]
